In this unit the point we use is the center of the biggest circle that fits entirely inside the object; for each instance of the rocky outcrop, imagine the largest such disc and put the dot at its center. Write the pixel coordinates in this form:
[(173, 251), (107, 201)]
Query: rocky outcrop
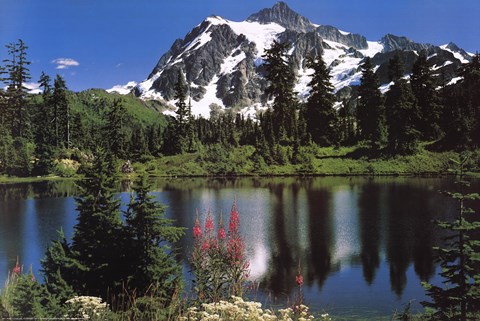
[(392, 43), (349, 39), (280, 13)]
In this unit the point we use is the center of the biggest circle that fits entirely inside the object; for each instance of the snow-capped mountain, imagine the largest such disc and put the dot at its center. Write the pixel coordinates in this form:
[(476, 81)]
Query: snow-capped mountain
[(222, 59)]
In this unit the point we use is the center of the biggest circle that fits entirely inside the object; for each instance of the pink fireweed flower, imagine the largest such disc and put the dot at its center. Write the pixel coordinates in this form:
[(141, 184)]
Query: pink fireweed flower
[(205, 245), (299, 280), (299, 277), (234, 218), (221, 233), (16, 270), (197, 230), (209, 227), (221, 230), (236, 250)]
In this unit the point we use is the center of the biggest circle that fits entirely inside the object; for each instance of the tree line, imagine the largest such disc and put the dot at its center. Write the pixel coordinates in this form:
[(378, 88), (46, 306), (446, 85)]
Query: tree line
[(37, 130), (417, 107)]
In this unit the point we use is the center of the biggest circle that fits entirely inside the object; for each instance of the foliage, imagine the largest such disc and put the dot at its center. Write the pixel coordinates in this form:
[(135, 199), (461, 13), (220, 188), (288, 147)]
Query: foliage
[(219, 263), (153, 263), (371, 109), (98, 231), (320, 116), (424, 87), (459, 299), (281, 80), (401, 112)]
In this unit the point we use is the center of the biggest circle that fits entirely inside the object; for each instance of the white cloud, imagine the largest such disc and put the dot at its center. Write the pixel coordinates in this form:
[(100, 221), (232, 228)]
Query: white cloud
[(65, 63)]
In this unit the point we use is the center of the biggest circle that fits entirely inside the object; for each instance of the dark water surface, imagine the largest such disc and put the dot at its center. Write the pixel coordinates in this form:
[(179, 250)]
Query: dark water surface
[(364, 244)]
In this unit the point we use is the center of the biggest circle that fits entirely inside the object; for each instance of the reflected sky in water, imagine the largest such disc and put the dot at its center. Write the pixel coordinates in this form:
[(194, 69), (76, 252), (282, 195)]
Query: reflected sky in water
[(363, 244)]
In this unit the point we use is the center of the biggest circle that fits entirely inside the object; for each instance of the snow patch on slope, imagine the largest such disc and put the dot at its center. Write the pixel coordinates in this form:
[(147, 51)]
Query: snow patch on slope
[(374, 47), (123, 89), (231, 62), (455, 54), (261, 34)]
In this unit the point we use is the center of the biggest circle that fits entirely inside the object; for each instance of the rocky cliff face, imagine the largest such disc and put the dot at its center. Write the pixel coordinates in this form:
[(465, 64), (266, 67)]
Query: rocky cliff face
[(222, 59), (281, 14)]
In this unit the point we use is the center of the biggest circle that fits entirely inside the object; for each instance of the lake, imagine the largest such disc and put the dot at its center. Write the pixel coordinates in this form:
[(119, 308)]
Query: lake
[(364, 244)]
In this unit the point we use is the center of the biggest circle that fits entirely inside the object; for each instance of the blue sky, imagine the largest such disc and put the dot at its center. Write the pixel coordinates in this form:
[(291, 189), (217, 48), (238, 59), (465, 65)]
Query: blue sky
[(102, 43)]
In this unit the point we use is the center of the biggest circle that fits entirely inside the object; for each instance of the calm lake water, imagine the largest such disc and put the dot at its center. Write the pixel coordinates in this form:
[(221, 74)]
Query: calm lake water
[(364, 244)]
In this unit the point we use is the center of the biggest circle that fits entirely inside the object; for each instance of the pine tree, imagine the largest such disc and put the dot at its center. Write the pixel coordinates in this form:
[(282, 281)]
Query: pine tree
[(428, 100), (152, 237), (60, 269), (114, 129), (401, 111), (26, 297), (281, 80), (61, 113), (98, 234), (320, 115), (17, 75), (459, 299), (471, 96), (370, 109), (44, 133)]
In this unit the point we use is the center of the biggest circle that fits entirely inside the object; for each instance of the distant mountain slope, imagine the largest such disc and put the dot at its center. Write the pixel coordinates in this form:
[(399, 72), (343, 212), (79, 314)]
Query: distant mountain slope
[(222, 59)]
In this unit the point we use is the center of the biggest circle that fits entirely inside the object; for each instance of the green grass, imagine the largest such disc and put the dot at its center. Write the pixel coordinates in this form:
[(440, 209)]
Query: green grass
[(325, 161), (328, 161)]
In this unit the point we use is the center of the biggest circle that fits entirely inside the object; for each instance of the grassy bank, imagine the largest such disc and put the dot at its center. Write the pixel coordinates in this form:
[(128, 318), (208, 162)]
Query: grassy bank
[(315, 161), (346, 161)]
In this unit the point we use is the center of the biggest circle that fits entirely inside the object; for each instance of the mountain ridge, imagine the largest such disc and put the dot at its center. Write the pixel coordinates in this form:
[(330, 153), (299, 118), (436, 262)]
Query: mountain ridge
[(222, 59)]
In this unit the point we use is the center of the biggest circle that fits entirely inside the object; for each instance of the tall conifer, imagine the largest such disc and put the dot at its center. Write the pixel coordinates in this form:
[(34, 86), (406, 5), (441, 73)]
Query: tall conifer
[(424, 87), (370, 109), (401, 111), (281, 80), (154, 267), (321, 117)]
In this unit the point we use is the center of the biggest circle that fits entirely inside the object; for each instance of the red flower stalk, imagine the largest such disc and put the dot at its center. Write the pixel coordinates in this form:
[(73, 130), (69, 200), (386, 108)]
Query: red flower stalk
[(221, 230), (299, 277), (236, 250), (16, 270), (299, 280), (234, 218), (197, 229), (209, 227)]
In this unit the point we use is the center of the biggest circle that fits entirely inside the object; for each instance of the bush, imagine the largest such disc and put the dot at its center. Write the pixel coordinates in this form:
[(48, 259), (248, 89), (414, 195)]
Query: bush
[(239, 310)]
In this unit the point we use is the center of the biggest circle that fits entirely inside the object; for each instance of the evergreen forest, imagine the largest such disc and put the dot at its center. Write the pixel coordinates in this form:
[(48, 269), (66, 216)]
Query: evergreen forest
[(418, 120)]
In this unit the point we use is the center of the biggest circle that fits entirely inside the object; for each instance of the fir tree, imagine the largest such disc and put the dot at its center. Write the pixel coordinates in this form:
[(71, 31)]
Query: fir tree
[(114, 129), (152, 237), (459, 299), (61, 119), (321, 117), (98, 234), (401, 111), (17, 75), (27, 297), (281, 80), (428, 100), (60, 269), (470, 85), (370, 109), (44, 143)]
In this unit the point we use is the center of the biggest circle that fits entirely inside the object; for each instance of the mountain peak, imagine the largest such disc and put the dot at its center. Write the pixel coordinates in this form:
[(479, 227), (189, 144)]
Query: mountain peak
[(282, 14)]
